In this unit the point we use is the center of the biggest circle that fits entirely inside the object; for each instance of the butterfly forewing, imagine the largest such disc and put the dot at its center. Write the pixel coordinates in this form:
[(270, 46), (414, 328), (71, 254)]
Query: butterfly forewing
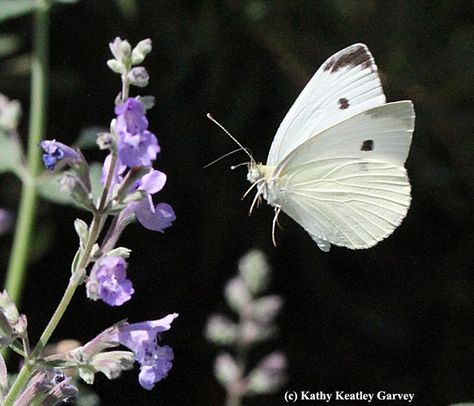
[(346, 84)]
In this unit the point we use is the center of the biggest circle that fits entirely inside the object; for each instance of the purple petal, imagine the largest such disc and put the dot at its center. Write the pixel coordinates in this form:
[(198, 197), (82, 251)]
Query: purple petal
[(153, 182), (138, 149), (156, 220), (114, 287)]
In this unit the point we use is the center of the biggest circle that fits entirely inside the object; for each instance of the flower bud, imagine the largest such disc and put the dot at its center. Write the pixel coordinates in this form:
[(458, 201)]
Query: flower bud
[(138, 77), (142, 49), (8, 308), (220, 330), (116, 66), (73, 186), (254, 270), (237, 293), (126, 49)]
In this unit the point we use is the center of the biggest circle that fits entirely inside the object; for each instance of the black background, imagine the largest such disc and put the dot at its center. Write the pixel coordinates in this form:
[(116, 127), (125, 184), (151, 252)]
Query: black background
[(397, 317)]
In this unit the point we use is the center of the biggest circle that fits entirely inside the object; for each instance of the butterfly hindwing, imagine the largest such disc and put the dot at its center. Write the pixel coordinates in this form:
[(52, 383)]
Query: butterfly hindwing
[(347, 186)]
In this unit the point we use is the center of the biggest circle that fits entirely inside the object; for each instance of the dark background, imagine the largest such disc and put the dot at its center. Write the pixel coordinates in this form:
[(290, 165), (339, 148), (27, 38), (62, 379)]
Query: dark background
[(397, 317)]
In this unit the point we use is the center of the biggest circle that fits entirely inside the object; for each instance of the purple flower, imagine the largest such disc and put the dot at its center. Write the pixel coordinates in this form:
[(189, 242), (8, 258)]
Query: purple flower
[(131, 117), (114, 287), (136, 145), (56, 151), (155, 218), (141, 338)]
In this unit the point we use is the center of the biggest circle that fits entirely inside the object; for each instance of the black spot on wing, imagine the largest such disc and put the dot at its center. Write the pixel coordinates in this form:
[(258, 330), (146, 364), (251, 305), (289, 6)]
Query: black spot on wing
[(352, 56), (367, 145), (343, 103)]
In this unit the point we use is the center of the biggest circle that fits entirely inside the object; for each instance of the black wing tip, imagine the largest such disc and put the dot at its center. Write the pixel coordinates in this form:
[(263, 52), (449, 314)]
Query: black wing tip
[(351, 56)]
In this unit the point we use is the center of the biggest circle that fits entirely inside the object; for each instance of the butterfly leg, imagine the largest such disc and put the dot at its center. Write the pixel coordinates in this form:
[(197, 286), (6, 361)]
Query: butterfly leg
[(274, 223), (257, 197)]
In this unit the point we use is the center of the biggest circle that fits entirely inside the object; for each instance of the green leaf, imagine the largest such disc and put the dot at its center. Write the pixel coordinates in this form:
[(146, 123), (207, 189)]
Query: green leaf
[(10, 153), (88, 136), (95, 173), (15, 8), (82, 231), (9, 44), (49, 186)]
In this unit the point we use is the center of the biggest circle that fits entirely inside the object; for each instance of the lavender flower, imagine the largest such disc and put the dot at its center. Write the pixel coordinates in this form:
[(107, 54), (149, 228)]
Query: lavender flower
[(136, 145), (56, 151), (141, 338), (109, 282), (155, 218)]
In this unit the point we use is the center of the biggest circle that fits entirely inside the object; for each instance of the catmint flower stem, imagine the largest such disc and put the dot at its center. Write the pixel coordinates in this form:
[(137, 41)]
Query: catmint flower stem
[(37, 123), (74, 281)]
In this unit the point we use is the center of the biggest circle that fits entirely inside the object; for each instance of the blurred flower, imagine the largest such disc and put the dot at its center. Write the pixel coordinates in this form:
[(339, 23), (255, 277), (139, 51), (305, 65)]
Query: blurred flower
[(269, 375), (6, 220), (220, 330), (254, 269), (56, 151), (237, 293), (108, 281), (10, 113), (256, 323), (226, 369), (141, 338)]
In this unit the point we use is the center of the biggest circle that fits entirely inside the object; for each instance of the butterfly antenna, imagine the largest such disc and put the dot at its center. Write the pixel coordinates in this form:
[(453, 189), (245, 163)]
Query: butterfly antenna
[(209, 116), (222, 157), (238, 165)]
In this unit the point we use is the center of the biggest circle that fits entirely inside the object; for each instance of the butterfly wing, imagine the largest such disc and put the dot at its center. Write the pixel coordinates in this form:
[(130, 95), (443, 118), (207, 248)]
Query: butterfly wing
[(346, 84), (347, 186)]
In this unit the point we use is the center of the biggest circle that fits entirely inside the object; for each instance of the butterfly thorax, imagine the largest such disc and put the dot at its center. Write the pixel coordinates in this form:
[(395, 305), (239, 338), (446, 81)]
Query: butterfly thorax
[(263, 176), (257, 172)]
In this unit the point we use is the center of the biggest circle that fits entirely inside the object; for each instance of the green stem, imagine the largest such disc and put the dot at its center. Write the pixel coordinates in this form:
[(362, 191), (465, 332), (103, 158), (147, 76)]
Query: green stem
[(37, 124)]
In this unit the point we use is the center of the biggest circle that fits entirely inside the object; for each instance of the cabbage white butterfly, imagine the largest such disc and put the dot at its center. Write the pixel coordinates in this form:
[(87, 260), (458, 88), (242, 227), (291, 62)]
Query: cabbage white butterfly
[(336, 164)]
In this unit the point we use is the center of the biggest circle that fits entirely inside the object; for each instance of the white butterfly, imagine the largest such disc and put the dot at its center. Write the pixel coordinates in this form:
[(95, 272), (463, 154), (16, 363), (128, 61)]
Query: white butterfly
[(336, 163)]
